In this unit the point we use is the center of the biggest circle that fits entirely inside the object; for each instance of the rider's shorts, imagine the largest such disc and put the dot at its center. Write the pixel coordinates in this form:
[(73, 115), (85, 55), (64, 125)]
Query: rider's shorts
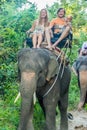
[(63, 42)]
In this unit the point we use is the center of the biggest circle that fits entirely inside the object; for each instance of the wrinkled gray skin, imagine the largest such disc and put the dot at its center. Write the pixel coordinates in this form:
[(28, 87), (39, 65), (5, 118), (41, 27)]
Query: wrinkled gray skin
[(35, 66), (81, 67)]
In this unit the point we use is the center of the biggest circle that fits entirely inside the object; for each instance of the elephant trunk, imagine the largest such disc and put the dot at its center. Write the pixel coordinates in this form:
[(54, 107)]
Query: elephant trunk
[(83, 88), (27, 89)]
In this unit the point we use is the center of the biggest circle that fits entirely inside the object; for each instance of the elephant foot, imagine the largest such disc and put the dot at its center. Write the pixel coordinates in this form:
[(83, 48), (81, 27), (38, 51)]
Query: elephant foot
[(80, 106)]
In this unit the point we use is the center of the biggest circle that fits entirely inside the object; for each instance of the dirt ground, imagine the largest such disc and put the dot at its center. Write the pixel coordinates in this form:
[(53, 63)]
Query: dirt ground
[(79, 121)]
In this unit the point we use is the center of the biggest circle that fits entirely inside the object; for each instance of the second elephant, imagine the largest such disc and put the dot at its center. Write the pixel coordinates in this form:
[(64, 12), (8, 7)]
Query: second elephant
[(81, 68)]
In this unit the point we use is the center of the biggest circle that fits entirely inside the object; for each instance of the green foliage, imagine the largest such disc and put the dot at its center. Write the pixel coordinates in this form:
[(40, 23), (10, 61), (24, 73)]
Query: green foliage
[(12, 34), (85, 107), (13, 27), (38, 117), (74, 93), (9, 112)]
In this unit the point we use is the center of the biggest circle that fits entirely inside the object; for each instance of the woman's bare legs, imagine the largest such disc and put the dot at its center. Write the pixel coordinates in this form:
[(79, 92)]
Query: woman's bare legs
[(48, 37), (34, 40), (40, 39)]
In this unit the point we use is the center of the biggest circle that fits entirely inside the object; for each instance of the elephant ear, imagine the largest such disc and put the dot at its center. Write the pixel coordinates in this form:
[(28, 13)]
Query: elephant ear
[(81, 63), (52, 68)]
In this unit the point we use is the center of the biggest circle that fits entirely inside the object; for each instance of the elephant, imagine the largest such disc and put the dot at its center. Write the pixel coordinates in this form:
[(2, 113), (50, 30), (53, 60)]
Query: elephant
[(80, 66), (40, 72)]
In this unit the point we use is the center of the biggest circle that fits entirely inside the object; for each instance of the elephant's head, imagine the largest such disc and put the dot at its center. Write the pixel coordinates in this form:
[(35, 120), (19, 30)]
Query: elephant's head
[(40, 61), (81, 63)]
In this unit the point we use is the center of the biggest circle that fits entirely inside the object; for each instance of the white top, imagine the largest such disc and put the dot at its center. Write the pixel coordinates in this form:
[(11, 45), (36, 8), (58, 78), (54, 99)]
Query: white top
[(84, 46)]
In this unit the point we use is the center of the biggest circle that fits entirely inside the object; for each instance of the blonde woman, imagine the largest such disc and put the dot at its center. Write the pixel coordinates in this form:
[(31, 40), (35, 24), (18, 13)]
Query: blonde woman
[(38, 28)]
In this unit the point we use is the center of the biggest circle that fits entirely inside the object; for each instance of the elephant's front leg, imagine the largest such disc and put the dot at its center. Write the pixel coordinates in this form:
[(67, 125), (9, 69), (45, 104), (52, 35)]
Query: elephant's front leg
[(28, 86), (50, 104), (83, 88), (63, 104)]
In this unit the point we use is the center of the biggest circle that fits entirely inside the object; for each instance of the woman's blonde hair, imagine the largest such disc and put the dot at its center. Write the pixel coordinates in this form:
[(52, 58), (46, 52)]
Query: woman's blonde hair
[(46, 18)]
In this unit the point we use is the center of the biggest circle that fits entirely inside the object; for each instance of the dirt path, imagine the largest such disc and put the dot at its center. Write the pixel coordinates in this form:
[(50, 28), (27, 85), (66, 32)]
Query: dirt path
[(79, 121)]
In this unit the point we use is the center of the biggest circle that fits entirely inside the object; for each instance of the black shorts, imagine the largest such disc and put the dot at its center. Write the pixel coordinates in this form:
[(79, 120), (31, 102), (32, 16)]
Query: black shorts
[(29, 42), (62, 43)]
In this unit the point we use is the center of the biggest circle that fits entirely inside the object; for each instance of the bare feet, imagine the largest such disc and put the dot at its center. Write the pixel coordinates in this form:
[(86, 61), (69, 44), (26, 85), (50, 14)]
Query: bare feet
[(34, 47), (54, 45), (49, 47), (38, 46)]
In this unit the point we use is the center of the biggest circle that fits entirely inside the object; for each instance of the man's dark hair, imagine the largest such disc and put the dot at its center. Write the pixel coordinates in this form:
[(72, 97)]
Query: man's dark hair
[(61, 9)]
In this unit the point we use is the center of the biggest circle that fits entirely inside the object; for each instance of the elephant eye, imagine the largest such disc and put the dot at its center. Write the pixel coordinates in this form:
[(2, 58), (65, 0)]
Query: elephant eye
[(40, 71)]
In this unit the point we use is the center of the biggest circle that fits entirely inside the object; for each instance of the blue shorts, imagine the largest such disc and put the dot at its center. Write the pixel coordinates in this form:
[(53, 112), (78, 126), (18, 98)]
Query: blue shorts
[(62, 43)]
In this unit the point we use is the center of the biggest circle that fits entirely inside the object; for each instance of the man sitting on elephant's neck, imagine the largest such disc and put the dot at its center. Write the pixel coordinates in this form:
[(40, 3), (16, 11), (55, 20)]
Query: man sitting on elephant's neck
[(61, 29)]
